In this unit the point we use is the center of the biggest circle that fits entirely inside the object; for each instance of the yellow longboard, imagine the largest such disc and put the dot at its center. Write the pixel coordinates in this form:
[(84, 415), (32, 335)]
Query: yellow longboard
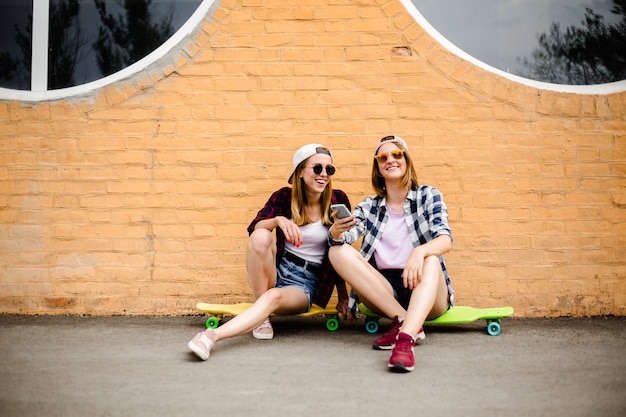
[(218, 311), (455, 315)]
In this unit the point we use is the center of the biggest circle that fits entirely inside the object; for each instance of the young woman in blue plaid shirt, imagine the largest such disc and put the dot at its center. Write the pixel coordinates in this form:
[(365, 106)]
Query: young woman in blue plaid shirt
[(400, 271)]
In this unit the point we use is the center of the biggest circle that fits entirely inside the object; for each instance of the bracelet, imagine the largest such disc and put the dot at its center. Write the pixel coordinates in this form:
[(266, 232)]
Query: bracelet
[(333, 242)]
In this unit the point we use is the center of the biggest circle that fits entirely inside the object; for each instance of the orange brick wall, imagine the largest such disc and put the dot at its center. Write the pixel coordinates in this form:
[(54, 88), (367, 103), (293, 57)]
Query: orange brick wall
[(135, 199)]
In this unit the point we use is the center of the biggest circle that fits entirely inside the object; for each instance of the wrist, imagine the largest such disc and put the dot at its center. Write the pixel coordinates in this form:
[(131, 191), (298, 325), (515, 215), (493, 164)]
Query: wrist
[(332, 241)]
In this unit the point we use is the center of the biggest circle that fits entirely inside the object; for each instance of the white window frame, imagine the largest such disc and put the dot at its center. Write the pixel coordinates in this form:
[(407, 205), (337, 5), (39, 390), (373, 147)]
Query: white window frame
[(39, 61), (39, 71)]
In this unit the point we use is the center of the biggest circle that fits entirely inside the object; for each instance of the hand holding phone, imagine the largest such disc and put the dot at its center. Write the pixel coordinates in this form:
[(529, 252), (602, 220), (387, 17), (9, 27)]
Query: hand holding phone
[(343, 210)]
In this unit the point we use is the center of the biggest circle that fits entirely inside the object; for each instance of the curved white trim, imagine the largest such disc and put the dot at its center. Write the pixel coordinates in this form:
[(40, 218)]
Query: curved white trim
[(80, 90), (610, 88)]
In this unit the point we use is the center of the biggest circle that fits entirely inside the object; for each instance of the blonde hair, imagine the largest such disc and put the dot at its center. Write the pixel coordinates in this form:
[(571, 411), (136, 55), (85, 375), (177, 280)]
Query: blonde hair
[(299, 202), (409, 180)]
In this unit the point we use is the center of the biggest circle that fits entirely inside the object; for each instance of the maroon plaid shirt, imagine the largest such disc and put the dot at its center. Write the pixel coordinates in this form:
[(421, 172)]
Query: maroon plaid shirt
[(279, 204)]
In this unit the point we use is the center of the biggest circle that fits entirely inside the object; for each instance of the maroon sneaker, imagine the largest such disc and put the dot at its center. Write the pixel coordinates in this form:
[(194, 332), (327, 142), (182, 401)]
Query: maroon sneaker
[(402, 359), (421, 335), (387, 341)]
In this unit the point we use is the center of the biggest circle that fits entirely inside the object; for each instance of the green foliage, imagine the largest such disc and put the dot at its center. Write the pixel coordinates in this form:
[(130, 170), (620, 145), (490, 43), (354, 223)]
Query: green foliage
[(127, 38), (592, 54)]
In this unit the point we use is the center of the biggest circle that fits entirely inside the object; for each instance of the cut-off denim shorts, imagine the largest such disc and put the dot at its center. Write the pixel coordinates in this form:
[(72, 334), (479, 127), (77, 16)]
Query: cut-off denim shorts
[(394, 277), (291, 275)]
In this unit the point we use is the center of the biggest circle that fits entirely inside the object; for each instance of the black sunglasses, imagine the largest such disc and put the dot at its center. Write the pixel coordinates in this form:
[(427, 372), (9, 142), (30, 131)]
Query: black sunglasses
[(317, 169)]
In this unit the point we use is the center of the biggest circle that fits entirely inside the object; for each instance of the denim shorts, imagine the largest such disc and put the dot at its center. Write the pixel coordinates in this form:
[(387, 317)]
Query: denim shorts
[(394, 277), (403, 294), (291, 275)]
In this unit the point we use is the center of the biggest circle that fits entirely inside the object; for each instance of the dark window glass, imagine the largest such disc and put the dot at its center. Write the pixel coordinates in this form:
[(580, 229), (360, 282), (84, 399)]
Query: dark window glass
[(15, 43), (90, 39), (573, 42)]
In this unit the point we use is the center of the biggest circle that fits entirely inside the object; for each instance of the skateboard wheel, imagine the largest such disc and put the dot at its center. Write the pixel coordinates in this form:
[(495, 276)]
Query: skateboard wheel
[(212, 323), (332, 324), (371, 326), (493, 328)]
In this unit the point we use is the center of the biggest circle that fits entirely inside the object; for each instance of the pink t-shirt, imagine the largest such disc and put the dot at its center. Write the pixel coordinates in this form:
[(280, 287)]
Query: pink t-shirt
[(395, 246)]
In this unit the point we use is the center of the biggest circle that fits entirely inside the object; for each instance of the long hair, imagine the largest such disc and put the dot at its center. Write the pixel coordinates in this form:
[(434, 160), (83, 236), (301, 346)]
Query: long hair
[(409, 180), (299, 199)]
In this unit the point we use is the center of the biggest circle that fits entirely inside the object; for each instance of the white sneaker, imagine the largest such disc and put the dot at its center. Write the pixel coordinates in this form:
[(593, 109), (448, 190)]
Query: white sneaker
[(202, 343), (264, 331)]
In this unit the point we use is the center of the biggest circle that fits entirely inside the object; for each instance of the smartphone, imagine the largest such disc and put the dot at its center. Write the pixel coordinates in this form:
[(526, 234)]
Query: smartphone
[(343, 210)]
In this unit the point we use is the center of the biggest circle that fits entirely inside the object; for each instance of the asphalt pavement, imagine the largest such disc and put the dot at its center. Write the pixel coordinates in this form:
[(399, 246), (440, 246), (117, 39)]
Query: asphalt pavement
[(140, 366)]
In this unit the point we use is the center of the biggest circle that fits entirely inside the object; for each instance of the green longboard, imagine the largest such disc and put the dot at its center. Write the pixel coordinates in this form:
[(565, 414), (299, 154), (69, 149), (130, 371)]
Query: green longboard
[(455, 315)]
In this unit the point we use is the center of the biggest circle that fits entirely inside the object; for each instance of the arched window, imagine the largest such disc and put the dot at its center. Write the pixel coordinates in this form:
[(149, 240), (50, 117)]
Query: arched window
[(48, 45), (566, 42)]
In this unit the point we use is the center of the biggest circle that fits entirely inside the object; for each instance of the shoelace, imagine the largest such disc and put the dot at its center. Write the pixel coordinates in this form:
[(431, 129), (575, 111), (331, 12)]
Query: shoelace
[(265, 324), (404, 345), (206, 341)]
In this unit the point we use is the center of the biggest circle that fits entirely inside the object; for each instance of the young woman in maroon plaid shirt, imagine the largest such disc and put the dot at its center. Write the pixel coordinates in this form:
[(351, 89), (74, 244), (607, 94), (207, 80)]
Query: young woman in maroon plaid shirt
[(288, 270)]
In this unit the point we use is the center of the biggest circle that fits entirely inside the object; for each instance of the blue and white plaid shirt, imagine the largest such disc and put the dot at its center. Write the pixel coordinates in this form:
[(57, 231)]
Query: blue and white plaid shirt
[(425, 214)]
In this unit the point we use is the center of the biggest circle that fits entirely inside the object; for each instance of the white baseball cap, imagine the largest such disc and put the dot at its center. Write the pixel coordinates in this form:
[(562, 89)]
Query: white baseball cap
[(392, 139), (304, 153)]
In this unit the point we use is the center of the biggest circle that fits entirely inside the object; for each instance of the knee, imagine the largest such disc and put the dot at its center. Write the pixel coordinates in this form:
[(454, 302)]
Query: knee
[(261, 241), (432, 266), (432, 261), (271, 298), (338, 254)]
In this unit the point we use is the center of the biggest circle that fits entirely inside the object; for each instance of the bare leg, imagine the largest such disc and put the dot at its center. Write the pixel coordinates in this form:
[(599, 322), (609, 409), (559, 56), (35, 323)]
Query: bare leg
[(366, 280), (261, 261), (429, 299), (288, 300)]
